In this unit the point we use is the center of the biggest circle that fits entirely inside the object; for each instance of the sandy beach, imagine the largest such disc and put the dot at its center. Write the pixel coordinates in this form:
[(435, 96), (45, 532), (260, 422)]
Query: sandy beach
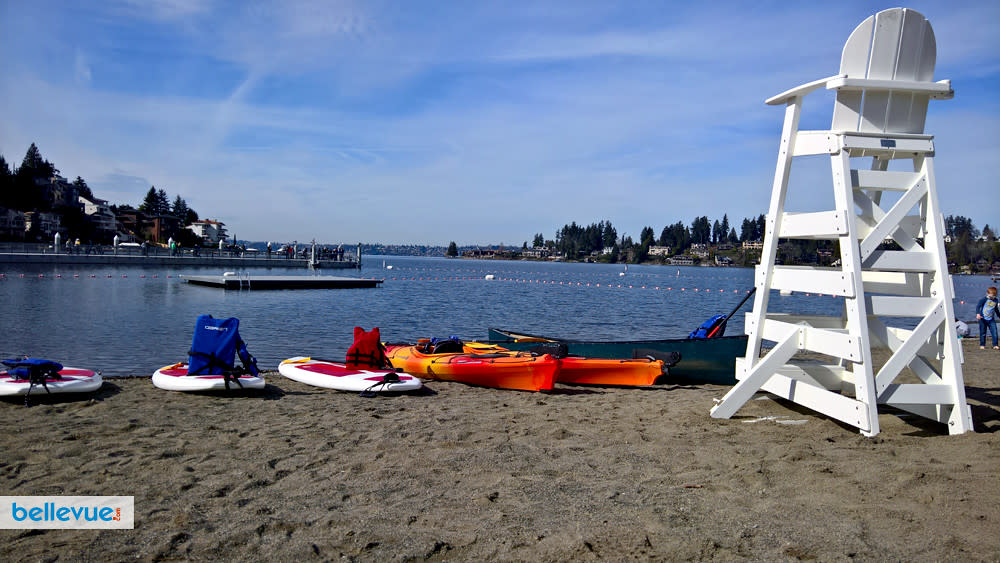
[(462, 473)]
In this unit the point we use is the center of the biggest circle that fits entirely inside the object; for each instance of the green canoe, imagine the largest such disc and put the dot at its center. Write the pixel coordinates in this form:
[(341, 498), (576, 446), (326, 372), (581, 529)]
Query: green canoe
[(709, 360)]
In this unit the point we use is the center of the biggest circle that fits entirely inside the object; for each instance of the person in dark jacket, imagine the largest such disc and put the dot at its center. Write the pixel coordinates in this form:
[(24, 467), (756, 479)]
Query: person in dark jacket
[(987, 313)]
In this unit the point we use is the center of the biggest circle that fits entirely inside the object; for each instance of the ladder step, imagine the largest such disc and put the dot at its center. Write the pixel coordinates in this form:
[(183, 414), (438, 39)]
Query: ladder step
[(884, 180), (900, 261), (807, 279), (817, 225)]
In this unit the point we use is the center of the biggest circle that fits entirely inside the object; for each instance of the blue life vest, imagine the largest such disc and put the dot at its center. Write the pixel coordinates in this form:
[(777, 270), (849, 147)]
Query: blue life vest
[(215, 345), (33, 369), (706, 328)]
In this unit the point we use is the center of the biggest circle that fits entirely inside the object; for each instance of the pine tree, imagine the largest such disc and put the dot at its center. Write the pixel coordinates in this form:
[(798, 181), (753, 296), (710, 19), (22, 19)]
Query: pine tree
[(180, 208), (34, 166), (7, 196), (452, 249), (28, 195), (82, 188), (150, 204), (162, 202)]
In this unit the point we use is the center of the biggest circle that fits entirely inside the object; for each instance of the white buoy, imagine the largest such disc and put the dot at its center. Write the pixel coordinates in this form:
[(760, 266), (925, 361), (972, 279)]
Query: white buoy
[(490, 277)]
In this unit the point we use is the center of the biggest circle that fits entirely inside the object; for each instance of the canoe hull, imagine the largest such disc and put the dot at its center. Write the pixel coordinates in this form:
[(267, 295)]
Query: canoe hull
[(703, 360), (577, 370), (601, 371), (520, 372)]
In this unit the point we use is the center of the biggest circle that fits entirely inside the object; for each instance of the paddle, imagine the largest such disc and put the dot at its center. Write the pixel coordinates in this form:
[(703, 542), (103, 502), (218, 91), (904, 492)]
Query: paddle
[(721, 326)]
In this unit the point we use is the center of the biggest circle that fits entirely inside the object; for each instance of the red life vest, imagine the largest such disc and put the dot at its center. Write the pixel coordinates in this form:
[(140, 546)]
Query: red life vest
[(367, 351)]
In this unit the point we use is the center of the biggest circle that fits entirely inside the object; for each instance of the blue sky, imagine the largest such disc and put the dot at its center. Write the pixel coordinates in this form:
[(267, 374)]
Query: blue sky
[(474, 122)]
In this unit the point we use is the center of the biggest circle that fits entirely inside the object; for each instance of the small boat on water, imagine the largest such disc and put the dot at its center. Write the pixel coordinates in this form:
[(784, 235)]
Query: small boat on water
[(578, 370), (448, 361), (707, 360)]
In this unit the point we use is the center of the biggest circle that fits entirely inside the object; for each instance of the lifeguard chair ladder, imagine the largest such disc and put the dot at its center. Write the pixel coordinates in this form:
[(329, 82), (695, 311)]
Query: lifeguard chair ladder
[(882, 93)]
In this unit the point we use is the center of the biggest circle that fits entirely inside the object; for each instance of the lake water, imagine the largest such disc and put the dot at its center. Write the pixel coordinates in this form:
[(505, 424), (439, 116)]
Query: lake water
[(130, 321)]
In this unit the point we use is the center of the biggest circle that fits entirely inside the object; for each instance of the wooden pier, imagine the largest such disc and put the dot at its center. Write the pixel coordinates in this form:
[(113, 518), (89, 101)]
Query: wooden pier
[(252, 282)]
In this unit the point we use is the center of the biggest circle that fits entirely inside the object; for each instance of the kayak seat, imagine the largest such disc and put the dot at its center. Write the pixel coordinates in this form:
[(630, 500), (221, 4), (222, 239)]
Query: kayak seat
[(556, 350), (669, 359), (449, 346)]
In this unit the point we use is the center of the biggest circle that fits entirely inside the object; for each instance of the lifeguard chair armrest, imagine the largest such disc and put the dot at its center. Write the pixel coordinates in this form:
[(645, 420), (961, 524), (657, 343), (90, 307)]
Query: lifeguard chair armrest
[(940, 90), (802, 90)]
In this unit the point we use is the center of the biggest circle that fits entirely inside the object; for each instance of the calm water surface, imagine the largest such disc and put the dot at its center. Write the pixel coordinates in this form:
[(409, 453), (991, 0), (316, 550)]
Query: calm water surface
[(132, 322)]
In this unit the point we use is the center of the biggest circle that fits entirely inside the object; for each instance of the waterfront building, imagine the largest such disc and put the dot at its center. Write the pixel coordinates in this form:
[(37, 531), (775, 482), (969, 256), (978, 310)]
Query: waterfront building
[(210, 232), (11, 224), (47, 224), (99, 214)]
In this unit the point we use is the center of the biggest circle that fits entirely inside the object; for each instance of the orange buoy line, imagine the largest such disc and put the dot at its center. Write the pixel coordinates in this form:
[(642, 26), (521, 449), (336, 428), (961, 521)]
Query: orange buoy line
[(539, 281)]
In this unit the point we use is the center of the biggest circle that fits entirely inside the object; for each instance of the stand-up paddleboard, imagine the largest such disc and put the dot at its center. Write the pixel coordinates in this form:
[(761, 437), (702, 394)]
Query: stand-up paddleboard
[(71, 380), (333, 375), (176, 378)]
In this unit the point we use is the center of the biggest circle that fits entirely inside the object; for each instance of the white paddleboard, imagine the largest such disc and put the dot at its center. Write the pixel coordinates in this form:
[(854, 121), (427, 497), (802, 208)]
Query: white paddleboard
[(175, 378), (333, 375), (72, 380)]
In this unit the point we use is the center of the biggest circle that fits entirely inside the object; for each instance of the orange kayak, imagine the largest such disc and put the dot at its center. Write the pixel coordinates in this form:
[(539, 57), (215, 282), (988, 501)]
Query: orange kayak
[(600, 371), (591, 371), (513, 370)]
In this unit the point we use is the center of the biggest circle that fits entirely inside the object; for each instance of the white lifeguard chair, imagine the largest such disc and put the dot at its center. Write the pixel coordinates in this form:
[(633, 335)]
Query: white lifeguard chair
[(882, 93)]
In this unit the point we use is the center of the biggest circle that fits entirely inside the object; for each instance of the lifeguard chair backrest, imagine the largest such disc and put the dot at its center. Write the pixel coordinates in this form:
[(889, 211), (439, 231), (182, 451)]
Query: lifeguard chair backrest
[(213, 349), (366, 352), (894, 44)]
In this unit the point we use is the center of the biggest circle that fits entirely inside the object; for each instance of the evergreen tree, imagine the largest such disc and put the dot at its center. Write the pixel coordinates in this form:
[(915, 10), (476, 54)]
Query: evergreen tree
[(701, 230), (452, 249), (150, 205), (7, 196), (162, 202), (958, 226), (610, 235), (83, 189), (155, 203), (746, 230), (180, 209), (28, 194)]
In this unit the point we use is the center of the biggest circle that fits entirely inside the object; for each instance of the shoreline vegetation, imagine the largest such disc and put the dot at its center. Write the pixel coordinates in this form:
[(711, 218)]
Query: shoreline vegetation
[(36, 203)]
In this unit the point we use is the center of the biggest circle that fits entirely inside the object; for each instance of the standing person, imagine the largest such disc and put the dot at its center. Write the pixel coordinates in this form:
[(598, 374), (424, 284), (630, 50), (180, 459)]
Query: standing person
[(987, 313)]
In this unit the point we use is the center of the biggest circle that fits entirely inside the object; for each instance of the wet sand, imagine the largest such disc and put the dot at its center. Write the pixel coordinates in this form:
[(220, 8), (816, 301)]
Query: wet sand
[(462, 473)]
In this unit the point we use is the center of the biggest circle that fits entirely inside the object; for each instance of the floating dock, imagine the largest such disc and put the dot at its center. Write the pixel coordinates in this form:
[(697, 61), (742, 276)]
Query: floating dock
[(281, 282)]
